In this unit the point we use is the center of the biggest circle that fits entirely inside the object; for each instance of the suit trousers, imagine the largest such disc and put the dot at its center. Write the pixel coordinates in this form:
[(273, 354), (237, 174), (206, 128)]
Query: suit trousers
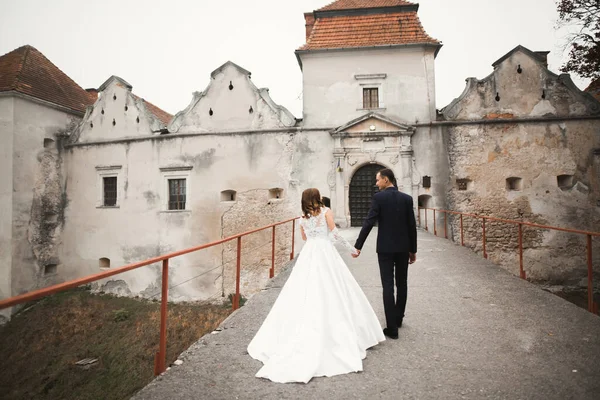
[(390, 265)]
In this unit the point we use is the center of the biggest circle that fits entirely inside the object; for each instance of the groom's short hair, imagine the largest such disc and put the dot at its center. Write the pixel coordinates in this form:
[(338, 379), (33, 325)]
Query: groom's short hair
[(388, 173), (326, 202)]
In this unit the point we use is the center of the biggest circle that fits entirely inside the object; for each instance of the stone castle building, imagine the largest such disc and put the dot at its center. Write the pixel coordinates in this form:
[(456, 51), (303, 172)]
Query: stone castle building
[(94, 179)]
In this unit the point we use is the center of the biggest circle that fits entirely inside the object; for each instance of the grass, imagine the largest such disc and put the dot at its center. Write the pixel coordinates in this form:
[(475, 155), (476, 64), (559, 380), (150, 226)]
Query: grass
[(41, 344)]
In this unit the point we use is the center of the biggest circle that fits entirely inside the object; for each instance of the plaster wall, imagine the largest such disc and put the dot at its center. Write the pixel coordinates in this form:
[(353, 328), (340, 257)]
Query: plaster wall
[(6, 199), (333, 83), (140, 226), (37, 198)]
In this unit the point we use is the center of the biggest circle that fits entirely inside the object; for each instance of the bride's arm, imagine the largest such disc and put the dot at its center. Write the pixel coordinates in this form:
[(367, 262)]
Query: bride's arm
[(302, 233), (336, 234)]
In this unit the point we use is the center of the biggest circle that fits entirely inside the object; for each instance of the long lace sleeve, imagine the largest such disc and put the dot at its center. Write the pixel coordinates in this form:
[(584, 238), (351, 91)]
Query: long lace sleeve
[(335, 237)]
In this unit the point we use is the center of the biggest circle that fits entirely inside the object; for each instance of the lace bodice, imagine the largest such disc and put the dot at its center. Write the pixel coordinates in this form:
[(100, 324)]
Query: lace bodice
[(316, 227)]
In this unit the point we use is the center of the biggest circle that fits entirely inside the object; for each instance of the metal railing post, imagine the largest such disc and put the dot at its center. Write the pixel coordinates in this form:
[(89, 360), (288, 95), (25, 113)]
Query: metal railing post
[(272, 271), (293, 238), (434, 224), (446, 224), (426, 227), (160, 363), (236, 300)]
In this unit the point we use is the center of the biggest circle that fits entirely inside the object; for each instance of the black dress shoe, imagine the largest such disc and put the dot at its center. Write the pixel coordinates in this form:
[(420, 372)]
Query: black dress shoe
[(389, 333), (399, 323)]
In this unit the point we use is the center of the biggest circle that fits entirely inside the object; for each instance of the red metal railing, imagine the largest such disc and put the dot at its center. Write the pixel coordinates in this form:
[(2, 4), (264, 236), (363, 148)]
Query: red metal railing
[(161, 355), (592, 306)]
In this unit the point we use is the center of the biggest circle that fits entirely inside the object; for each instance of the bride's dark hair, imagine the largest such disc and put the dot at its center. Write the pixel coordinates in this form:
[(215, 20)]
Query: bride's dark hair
[(311, 202)]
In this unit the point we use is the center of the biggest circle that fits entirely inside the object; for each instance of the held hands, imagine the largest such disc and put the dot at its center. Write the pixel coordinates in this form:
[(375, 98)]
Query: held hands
[(412, 257), (355, 253)]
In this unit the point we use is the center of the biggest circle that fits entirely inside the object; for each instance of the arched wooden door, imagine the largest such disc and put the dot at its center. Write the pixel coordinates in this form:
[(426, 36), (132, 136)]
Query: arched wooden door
[(362, 189)]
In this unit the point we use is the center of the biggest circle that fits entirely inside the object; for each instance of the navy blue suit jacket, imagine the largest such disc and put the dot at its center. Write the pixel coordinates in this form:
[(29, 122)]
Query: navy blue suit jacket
[(397, 228)]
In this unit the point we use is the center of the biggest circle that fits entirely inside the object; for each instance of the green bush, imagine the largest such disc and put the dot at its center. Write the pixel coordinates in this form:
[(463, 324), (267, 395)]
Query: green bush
[(120, 315)]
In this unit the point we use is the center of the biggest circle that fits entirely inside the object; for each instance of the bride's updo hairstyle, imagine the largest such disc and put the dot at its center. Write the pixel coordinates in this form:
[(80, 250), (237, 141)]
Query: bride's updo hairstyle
[(311, 202)]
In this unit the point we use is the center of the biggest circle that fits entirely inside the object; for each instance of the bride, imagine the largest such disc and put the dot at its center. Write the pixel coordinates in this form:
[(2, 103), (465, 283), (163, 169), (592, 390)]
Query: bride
[(321, 324)]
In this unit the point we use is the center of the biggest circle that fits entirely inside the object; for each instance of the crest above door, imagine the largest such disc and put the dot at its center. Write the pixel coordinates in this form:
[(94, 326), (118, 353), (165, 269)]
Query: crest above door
[(373, 125)]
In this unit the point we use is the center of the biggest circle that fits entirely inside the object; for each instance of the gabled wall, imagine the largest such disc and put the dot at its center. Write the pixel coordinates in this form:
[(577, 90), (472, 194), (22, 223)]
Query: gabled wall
[(231, 102), (117, 114)]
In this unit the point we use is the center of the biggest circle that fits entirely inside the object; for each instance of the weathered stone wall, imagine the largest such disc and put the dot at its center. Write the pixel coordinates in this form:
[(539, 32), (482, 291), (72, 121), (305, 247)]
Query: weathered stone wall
[(255, 208), (515, 169)]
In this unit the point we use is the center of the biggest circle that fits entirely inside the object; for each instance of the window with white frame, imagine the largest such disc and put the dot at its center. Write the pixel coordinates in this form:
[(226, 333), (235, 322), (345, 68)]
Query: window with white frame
[(108, 186), (371, 91), (177, 193), (176, 188)]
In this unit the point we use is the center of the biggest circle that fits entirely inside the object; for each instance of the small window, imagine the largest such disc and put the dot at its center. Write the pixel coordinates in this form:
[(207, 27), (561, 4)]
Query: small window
[(177, 194), (426, 181), (463, 184), (275, 193), (104, 263), (50, 269), (109, 191), (514, 183), (370, 98), (228, 195), (565, 182)]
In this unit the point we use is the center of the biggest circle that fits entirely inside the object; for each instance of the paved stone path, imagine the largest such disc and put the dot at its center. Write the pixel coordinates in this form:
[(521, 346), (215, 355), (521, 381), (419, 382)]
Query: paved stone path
[(472, 331)]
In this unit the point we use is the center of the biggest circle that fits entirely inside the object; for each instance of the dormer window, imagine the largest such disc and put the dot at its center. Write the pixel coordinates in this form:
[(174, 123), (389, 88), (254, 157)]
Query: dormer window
[(370, 98)]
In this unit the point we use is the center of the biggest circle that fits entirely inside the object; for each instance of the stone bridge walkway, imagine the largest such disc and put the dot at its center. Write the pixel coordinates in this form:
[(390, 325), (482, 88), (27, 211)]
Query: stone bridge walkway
[(471, 331)]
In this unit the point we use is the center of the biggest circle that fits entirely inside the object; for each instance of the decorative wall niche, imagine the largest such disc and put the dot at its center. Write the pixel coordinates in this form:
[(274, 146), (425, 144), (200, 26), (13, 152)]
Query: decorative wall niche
[(50, 269), (104, 263), (228, 195), (276, 193), (514, 183), (425, 201), (565, 182)]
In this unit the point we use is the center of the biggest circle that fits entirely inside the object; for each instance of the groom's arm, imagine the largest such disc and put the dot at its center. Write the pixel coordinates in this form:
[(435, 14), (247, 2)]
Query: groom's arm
[(412, 227), (368, 224)]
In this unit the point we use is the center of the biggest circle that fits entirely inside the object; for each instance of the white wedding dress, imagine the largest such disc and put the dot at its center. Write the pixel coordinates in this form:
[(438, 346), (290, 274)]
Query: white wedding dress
[(322, 323)]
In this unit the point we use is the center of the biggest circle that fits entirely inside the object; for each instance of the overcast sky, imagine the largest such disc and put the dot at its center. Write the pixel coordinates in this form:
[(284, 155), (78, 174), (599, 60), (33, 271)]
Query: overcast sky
[(167, 49)]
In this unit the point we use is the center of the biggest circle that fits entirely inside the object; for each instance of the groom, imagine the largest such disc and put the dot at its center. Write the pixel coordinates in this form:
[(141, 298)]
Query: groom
[(396, 245)]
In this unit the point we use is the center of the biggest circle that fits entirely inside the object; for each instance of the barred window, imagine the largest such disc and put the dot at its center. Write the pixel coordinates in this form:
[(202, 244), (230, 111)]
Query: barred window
[(426, 181), (463, 184), (370, 98), (177, 194), (109, 191)]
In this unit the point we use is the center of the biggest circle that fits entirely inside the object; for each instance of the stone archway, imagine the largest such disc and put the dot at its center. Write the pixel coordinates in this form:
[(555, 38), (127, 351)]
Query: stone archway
[(362, 188)]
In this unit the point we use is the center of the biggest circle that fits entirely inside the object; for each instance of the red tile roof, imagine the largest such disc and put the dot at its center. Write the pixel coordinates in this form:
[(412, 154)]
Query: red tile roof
[(594, 89), (160, 114), (26, 70), (354, 4), (367, 30)]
